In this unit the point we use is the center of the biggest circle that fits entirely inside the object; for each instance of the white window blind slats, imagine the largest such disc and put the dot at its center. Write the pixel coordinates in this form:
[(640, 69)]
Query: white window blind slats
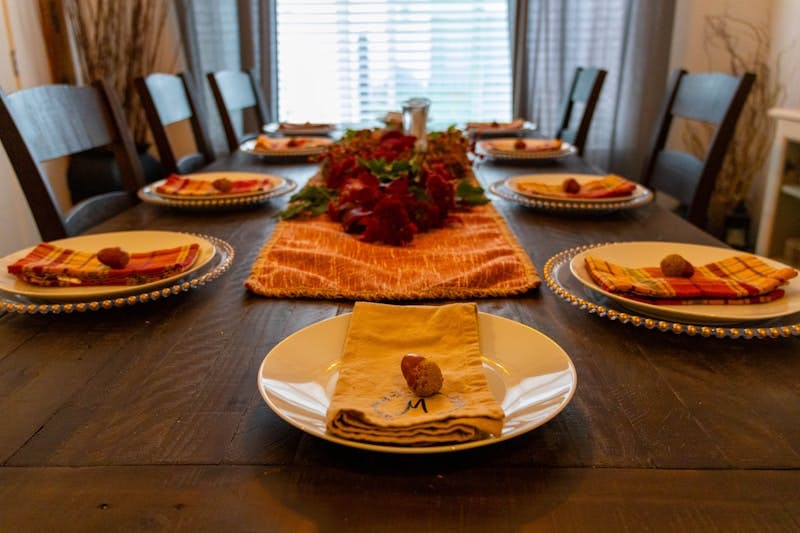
[(354, 60)]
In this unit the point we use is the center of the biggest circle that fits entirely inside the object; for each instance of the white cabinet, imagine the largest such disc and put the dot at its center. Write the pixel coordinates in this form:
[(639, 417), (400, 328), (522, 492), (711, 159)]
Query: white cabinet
[(780, 213)]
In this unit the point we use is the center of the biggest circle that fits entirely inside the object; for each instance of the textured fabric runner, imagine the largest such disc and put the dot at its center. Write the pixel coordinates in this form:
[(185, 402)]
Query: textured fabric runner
[(371, 401), (742, 279), (608, 187), (316, 259), (178, 186), (52, 266)]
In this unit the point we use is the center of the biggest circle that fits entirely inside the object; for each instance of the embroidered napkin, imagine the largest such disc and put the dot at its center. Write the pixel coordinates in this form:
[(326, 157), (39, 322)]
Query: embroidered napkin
[(478, 257), (741, 279), (52, 266), (371, 401), (180, 186), (606, 187)]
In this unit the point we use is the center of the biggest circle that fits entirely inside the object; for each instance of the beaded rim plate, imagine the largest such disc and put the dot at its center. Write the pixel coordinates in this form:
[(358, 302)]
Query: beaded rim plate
[(513, 154), (275, 182), (501, 189), (218, 265), (557, 274), (149, 195)]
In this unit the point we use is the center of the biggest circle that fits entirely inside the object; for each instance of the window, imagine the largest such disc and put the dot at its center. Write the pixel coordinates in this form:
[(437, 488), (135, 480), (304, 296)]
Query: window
[(351, 61)]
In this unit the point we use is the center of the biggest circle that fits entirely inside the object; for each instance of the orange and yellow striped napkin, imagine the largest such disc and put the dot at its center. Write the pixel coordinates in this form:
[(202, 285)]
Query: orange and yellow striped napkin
[(176, 185), (478, 257), (52, 266), (741, 279)]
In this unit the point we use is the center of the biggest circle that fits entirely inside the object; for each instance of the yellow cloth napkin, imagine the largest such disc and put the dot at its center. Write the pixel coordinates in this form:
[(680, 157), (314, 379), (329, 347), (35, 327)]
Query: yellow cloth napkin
[(372, 402)]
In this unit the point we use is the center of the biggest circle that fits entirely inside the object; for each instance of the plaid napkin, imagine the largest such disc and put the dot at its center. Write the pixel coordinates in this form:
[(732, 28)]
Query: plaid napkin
[(52, 266), (477, 257), (179, 186), (304, 126), (606, 187), (371, 401), (531, 145), (742, 279)]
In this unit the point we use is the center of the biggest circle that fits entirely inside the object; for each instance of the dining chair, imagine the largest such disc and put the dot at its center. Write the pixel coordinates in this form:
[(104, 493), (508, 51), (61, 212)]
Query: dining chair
[(47, 122), (169, 99), (238, 91), (576, 119), (715, 98)]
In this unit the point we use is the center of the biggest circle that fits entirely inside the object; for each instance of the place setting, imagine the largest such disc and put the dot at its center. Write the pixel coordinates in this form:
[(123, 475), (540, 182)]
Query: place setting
[(106, 270), (215, 190), (285, 147), (681, 288), (438, 379), (494, 128), (300, 128), (575, 193), (524, 149)]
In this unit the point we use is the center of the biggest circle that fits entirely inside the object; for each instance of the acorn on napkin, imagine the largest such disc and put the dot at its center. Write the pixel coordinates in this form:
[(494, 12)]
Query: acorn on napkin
[(53, 266), (372, 401), (176, 185), (609, 186), (741, 279)]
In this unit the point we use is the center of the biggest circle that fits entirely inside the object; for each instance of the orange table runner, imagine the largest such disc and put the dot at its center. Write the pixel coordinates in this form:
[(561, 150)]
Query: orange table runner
[(478, 257)]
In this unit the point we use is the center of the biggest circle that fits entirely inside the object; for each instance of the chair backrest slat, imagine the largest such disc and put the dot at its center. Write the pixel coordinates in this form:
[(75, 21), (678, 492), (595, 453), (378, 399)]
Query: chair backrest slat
[(711, 97), (168, 99), (584, 90), (238, 91), (43, 123)]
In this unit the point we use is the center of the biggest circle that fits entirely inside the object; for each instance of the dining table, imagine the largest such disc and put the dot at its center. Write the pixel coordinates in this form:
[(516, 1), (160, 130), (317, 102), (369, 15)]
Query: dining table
[(149, 417)]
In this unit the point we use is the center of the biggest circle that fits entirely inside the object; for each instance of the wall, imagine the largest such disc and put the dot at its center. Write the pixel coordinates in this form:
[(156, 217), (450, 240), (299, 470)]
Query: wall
[(17, 229)]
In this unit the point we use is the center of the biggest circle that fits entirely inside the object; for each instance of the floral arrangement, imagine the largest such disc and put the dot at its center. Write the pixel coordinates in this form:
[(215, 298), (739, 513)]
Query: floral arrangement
[(375, 184)]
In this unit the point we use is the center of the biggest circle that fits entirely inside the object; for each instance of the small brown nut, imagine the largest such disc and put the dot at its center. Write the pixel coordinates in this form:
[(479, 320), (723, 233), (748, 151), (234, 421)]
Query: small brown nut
[(222, 184), (423, 376), (114, 257), (571, 186), (675, 265), (519, 144)]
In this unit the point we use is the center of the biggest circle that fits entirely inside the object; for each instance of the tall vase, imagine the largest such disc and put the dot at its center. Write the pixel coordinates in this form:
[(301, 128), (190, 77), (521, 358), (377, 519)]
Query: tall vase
[(96, 172)]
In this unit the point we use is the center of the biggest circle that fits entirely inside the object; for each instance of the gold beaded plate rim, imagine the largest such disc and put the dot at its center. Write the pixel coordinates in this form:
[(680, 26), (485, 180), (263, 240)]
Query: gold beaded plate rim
[(220, 263), (766, 330)]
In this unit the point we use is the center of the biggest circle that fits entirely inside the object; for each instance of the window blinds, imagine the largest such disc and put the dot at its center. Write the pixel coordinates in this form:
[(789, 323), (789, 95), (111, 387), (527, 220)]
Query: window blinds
[(351, 61)]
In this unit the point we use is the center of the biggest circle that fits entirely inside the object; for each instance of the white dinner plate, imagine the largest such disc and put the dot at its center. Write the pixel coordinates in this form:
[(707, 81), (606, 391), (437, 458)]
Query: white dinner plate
[(275, 183), (278, 147), (131, 241), (641, 254), (557, 179), (528, 373), (503, 148)]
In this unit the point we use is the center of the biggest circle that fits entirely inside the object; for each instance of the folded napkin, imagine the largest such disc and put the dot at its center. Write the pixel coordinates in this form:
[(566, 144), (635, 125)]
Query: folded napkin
[(176, 185), (371, 401), (476, 257), (265, 143), (52, 266), (606, 187), (525, 145), (741, 279)]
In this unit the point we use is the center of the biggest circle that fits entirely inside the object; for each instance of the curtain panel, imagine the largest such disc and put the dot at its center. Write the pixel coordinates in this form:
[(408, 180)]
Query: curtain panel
[(548, 40)]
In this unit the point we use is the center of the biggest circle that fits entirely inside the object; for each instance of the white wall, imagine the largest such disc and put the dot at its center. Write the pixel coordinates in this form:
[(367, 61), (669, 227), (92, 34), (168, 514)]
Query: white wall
[(17, 229)]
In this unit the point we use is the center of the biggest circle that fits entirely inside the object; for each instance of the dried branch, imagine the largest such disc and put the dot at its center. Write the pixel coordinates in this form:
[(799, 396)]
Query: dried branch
[(745, 46)]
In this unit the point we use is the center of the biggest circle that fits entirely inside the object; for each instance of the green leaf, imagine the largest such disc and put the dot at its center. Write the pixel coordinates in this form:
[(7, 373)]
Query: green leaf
[(311, 199), (471, 194)]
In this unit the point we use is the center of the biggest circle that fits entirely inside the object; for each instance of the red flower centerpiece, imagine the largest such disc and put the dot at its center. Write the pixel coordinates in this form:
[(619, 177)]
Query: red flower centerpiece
[(375, 184)]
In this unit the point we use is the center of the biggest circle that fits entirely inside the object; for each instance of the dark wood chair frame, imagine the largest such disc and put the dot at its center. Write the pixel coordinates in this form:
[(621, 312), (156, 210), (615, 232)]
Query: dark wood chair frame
[(52, 121), (234, 91), (167, 99), (711, 97), (585, 88)]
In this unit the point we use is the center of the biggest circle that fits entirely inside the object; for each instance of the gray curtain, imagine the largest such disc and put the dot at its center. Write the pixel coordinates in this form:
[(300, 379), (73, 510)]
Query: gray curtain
[(228, 35), (629, 38)]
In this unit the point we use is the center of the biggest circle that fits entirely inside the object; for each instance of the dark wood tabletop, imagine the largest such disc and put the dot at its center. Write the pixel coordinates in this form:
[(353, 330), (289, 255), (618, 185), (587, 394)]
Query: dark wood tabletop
[(148, 417)]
